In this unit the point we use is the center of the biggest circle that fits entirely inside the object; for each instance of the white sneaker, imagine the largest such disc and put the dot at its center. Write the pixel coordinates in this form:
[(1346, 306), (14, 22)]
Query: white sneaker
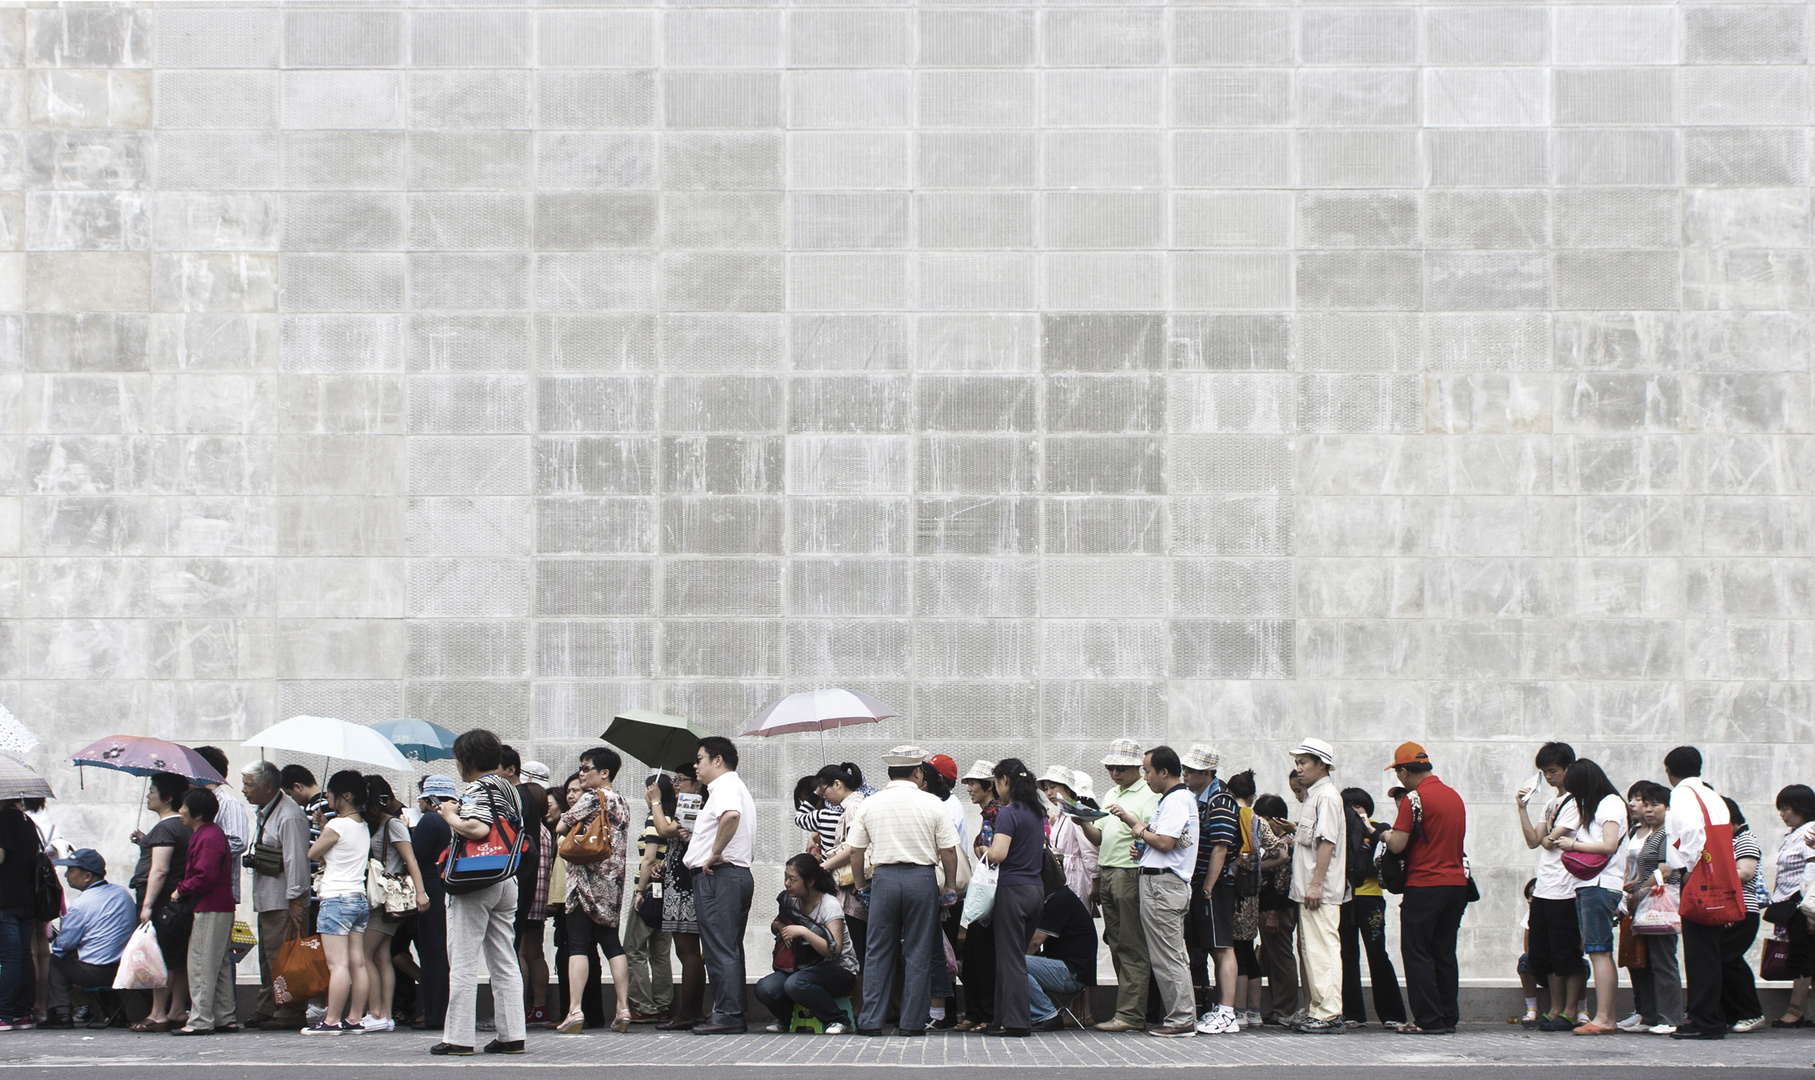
[(1254, 1018), (1214, 1023), (1663, 1029), (1237, 1020), (1635, 1022), (315, 1014), (836, 1029), (372, 1023), (1748, 1025)]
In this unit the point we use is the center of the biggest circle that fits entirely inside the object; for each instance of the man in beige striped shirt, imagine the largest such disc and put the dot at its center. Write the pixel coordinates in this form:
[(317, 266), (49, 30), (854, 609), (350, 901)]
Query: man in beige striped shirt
[(903, 831)]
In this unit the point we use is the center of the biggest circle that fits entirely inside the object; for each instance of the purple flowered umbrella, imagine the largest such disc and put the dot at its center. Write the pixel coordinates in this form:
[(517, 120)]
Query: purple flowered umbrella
[(141, 756)]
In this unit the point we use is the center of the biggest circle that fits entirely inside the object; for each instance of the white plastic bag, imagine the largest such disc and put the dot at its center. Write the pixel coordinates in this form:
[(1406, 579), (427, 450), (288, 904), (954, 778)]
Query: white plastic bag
[(980, 898), (142, 964), (1658, 911)]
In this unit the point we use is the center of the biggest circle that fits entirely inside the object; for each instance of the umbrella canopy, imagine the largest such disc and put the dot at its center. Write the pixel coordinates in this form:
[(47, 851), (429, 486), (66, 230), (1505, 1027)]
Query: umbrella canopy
[(418, 739), (333, 739), (653, 738), (15, 738), (19, 782), (818, 710), (141, 756)]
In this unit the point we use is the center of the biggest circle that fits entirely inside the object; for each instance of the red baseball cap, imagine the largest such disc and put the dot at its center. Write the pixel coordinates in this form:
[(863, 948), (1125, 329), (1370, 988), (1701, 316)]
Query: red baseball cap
[(944, 766)]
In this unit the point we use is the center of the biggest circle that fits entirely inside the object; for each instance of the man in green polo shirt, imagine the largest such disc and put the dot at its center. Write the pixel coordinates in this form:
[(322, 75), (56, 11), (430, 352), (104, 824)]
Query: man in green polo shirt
[(1120, 887)]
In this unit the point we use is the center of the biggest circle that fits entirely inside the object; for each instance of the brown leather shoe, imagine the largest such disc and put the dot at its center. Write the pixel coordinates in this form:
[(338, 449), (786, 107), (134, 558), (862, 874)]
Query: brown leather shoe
[(1182, 1031), (647, 1018), (1118, 1025)]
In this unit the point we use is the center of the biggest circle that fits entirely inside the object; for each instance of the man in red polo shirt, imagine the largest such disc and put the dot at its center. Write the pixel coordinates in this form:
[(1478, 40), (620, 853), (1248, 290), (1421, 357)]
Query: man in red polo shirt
[(1430, 829)]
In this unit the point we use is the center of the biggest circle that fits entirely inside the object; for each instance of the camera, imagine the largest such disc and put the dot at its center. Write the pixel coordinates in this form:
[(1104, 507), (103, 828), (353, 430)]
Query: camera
[(249, 861)]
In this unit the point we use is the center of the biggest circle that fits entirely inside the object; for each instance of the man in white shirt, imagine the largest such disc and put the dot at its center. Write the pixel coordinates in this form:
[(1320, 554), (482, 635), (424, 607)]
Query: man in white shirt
[(1167, 842), (1687, 827), (1555, 932), (905, 832), (719, 854), (1320, 886)]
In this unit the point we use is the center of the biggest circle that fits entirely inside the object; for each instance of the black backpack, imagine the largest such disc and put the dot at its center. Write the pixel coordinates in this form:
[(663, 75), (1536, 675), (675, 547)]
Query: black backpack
[(1360, 841), (47, 891)]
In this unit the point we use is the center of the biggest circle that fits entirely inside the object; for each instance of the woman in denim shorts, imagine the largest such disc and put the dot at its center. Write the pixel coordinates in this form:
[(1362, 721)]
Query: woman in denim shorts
[(1604, 817), (343, 849)]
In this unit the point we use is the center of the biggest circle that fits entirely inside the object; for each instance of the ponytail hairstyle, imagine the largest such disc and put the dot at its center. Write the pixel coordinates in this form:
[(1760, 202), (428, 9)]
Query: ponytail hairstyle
[(936, 784), (349, 785), (846, 773), (1241, 785), (1022, 791), (817, 877), (380, 801)]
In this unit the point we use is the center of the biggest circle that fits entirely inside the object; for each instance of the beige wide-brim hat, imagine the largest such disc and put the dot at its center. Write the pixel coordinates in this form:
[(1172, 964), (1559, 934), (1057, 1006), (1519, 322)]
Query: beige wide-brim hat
[(1201, 758), (1082, 786), (903, 756), (1123, 753), (980, 770), (1059, 774)]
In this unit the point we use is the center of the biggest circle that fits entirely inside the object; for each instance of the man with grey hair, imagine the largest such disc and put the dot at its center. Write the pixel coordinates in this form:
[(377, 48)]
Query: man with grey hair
[(279, 858)]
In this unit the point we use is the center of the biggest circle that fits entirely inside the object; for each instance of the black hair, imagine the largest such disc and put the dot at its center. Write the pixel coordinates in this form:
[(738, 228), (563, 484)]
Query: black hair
[(1270, 806), (478, 751), (1531, 886), (936, 784), (689, 770), (1798, 799), (349, 785), (1165, 760), (380, 799), (1416, 766), (1357, 797), (1637, 790), (1241, 785), (1658, 795), (902, 772), (33, 804), (806, 790), (295, 776), (816, 876), (170, 788), (1588, 785), (1683, 762), (201, 803), (1395, 793), (1738, 816), (215, 757), (846, 773), (717, 746), (1022, 791), (665, 787), (1555, 753), (559, 794), (508, 758), (535, 800), (605, 759)]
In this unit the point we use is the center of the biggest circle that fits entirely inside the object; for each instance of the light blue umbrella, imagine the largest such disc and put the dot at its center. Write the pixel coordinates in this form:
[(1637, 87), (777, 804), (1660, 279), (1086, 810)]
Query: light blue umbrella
[(418, 739)]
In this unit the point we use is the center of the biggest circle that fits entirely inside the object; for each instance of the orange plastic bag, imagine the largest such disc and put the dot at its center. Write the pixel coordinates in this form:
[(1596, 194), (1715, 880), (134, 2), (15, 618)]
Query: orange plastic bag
[(300, 971)]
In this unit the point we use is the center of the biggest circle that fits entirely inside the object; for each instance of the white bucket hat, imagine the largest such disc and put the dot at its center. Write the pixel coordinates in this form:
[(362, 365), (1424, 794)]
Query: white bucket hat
[(980, 770), (1082, 786), (1058, 774), (904, 756), (1318, 749)]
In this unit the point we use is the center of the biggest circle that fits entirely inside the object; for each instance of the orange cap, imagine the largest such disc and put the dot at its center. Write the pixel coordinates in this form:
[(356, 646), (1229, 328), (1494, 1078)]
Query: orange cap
[(1409, 753)]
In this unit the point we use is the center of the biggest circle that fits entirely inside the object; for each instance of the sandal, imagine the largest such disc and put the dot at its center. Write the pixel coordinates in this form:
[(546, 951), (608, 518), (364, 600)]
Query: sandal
[(574, 1024), (156, 1027), (622, 1023)]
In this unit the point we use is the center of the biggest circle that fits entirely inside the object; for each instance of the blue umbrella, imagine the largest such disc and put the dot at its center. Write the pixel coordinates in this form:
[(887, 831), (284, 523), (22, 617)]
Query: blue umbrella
[(418, 739)]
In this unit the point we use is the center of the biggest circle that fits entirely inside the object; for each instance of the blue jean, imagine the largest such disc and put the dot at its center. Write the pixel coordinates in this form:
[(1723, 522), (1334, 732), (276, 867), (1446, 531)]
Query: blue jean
[(1594, 915), (816, 989), (904, 931), (18, 971), (721, 902), (1045, 977)]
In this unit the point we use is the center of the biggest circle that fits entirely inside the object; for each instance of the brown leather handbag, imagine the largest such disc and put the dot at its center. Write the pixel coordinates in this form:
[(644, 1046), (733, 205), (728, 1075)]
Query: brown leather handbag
[(589, 843)]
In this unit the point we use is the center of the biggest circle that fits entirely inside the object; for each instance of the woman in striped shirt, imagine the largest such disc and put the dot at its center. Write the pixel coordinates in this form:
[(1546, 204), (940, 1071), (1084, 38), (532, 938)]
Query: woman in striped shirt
[(1796, 806), (834, 784)]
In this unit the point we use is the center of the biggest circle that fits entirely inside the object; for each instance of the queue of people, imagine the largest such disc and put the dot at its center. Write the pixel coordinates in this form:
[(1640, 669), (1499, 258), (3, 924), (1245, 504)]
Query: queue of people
[(1222, 908)]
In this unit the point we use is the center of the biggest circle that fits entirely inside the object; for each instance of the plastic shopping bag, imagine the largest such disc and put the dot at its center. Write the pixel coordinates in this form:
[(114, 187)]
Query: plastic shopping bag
[(980, 898), (1657, 912), (142, 964), (300, 971)]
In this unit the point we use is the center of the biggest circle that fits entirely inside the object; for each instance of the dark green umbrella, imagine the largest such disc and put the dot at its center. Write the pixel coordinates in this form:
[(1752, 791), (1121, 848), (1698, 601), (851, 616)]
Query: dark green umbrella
[(654, 738)]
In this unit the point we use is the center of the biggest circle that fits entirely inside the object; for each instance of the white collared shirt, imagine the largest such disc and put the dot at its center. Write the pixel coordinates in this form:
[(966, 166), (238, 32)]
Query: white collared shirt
[(1688, 831), (724, 795)]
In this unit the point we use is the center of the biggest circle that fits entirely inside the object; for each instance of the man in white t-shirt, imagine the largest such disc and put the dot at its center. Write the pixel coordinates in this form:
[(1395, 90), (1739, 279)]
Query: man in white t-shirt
[(719, 853), (1167, 843), (1320, 886), (1556, 934)]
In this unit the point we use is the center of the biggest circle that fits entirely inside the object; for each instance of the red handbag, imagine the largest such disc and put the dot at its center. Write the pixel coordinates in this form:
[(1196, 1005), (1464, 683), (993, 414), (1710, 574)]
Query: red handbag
[(1711, 895)]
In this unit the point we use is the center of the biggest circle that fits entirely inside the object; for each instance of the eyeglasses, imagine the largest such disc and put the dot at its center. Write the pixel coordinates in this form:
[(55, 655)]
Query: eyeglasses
[(584, 767)]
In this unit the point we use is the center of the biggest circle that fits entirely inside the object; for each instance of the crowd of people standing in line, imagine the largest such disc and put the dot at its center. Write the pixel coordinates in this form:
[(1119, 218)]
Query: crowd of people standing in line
[(1220, 909)]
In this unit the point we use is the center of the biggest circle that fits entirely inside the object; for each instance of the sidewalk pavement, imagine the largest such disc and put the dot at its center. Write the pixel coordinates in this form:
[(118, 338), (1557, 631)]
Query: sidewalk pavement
[(1474, 1046)]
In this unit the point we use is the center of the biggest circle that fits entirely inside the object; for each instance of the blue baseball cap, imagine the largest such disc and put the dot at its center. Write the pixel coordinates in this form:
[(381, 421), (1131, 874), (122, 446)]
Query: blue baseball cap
[(85, 859)]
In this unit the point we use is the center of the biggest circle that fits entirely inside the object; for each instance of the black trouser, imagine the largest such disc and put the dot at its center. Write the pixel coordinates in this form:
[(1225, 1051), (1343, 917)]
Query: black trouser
[(67, 973), (592, 996), (1363, 926), (431, 953), (980, 973), (1702, 980), (1429, 917), (1738, 991)]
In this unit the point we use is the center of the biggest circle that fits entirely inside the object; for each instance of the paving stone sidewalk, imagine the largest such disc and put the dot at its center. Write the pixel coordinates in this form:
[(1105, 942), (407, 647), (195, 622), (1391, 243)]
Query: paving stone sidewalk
[(1475, 1045)]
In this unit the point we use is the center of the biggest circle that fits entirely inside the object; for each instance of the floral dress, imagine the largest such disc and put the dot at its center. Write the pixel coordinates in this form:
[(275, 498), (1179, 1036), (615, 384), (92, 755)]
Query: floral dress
[(677, 899), (597, 889), (1247, 908)]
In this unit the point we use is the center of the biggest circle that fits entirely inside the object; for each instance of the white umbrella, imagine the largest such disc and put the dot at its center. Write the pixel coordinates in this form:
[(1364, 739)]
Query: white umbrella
[(818, 710), (332, 739), (15, 738)]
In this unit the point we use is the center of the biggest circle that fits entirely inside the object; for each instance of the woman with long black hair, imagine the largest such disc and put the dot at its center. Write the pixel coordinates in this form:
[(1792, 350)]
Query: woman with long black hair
[(1599, 880), (1017, 849)]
